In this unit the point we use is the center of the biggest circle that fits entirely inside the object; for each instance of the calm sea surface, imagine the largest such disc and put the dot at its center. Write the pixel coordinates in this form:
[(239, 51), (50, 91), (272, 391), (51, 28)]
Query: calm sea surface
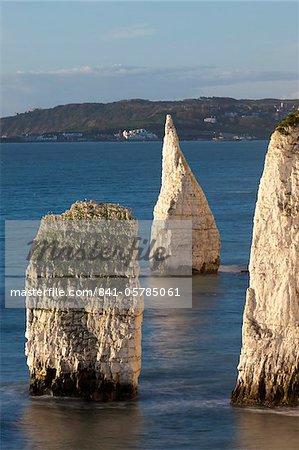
[(190, 355)]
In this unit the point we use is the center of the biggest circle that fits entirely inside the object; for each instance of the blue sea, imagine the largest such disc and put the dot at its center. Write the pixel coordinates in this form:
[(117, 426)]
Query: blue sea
[(189, 355)]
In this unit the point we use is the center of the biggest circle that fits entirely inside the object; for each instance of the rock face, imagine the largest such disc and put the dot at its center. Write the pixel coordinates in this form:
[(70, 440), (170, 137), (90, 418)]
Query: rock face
[(269, 362), (84, 345), (181, 198)]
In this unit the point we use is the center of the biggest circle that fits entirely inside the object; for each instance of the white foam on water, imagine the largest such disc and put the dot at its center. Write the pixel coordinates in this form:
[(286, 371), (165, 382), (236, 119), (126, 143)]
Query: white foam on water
[(233, 268), (284, 411)]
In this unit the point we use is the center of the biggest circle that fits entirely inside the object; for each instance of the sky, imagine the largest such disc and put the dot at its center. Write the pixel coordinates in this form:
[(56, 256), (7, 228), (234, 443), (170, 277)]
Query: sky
[(72, 52)]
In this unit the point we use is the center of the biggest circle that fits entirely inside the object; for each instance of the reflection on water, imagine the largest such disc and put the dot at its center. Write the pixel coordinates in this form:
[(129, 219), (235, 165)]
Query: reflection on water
[(75, 425), (167, 292), (166, 417), (263, 429)]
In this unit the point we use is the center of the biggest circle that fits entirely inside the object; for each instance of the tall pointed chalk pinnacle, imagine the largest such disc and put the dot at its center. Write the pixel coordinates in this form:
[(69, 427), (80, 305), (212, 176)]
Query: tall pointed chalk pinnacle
[(181, 198)]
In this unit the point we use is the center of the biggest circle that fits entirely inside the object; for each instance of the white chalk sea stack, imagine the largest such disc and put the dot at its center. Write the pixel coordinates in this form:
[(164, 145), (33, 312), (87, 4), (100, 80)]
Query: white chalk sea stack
[(268, 371), (87, 345), (182, 199)]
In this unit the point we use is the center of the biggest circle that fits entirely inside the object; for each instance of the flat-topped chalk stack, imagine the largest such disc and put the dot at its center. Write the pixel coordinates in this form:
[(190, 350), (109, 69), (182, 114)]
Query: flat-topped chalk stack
[(86, 342), (269, 362), (182, 199)]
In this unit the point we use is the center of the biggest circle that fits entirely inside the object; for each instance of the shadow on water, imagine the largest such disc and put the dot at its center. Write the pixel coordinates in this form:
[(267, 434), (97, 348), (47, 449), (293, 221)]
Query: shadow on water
[(51, 424), (267, 429)]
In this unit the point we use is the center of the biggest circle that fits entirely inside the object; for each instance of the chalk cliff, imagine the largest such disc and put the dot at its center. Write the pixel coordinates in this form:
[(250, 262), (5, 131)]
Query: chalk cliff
[(268, 371), (181, 198), (84, 343)]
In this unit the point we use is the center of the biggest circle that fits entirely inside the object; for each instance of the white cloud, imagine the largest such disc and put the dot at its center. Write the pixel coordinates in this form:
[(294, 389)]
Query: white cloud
[(72, 70), (131, 32)]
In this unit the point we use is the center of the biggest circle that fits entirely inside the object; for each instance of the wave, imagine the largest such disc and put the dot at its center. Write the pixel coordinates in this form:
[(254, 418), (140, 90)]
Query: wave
[(284, 411), (234, 268)]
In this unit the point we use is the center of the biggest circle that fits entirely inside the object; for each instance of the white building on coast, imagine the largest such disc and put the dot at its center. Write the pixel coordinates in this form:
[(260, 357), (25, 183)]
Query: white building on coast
[(139, 135)]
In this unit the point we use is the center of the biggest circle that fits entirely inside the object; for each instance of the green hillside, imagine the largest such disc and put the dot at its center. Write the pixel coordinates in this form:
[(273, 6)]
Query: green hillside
[(243, 117)]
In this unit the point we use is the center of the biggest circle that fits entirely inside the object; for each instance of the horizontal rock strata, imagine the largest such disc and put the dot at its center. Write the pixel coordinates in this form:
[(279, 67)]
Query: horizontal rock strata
[(86, 346)]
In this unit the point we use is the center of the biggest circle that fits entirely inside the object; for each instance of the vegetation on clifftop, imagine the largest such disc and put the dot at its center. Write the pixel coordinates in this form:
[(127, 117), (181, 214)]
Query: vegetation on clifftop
[(290, 121), (90, 209)]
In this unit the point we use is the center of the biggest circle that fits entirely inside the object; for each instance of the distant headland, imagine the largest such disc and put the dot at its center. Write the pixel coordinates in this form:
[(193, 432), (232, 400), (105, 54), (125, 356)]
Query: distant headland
[(207, 118)]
